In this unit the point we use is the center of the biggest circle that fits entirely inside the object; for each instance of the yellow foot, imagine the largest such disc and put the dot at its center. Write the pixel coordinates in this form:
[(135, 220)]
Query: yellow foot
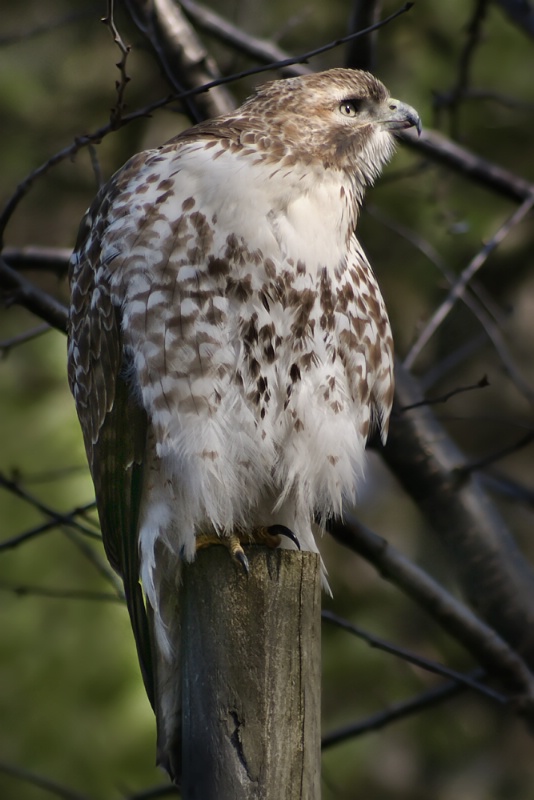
[(230, 541), (268, 537)]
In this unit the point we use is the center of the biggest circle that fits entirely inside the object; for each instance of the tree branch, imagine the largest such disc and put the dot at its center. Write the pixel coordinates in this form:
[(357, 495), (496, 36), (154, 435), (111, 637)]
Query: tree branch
[(459, 159), (19, 290), (493, 574), (459, 287), (397, 711), (182, 56), (42, 783), (262, 50), (412, 658), (53, 259), (480, 640), (362, 55), (520, 12)]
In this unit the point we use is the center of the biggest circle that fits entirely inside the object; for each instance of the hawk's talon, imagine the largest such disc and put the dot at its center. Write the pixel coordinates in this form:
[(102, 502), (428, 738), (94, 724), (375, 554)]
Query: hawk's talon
[(231, 542), (283, 530), (239, 555)]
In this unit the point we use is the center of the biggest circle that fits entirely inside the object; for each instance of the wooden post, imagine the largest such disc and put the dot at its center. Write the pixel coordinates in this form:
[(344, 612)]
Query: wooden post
[(251, 677)]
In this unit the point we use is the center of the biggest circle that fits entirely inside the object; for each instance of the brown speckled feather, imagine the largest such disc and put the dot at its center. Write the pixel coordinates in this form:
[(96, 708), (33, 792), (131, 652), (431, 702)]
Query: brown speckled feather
[(114, 428), (229, 348)]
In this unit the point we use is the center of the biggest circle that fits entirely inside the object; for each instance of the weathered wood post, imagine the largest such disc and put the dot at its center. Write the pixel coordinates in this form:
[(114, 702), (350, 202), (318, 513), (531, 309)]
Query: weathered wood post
[(251, 677)]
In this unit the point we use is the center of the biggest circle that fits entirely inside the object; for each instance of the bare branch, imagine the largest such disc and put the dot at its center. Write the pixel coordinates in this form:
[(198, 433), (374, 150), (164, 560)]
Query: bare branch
[(95, 163), (520, 12), (451, 361), (31, 533), (15, 341), (469, 164), (42, 783), (481, 463), (364, 14), (459, 287), (100, 565), (53, 259), (499, 98), (476, 299), (262, 50), (452, 99), (494, 576), (60, 594), (511, 489), (444, 398), (412, 658), (481, 641), (69, 151), (120, 85), (16, 289), (45, 27), (398, 711), (184, 59), (58, 518)]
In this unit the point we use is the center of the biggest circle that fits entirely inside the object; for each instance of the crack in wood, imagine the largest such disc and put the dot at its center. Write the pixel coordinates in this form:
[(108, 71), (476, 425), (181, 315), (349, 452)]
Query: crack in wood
[(237, 744)]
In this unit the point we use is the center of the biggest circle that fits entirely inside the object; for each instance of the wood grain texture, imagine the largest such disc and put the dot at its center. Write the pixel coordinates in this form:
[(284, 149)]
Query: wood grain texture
[(251, 677)]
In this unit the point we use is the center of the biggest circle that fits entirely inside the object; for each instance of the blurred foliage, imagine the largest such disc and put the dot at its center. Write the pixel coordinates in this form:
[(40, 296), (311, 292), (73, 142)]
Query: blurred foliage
[(71, 699)]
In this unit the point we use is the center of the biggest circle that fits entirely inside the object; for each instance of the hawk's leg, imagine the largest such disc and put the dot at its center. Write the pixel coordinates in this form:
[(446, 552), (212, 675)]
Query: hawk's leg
[(269, 537)]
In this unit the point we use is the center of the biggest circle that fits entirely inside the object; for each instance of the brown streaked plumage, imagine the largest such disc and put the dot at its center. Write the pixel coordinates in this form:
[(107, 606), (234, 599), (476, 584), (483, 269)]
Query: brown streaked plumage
[(229, 349)]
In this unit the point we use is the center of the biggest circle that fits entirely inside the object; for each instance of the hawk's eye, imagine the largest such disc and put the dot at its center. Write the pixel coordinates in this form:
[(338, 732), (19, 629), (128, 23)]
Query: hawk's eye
[(350, 108)]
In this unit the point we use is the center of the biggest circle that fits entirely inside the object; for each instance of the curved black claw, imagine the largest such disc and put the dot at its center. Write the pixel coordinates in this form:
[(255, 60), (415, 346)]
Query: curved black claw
[(282, 530), (239, 556)]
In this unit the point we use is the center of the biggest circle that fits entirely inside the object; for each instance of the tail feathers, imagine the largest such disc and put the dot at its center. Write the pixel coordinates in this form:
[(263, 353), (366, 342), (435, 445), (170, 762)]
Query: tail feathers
[(165, 621), (169, 716)]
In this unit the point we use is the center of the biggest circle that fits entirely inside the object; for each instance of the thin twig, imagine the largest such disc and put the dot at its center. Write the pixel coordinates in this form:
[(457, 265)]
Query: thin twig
[(221, 29), (420, 702), (468, 164), (181, 55), (96, 136), (17, 289), (466, 276), (15, 341), (59, 594), (499, 98), (432, 401), (482, 642), (120, 85), (477, 300), (98, 563), (42, 783), (95, 164), (452, 360), (497, 482), (59, 518), (413, 658), (31, 533), (452, 99), (481, 463), (520, 12), (45, 27)]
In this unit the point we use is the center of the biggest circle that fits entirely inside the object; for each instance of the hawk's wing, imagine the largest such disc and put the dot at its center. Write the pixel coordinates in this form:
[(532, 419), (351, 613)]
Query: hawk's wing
[(114, 425)]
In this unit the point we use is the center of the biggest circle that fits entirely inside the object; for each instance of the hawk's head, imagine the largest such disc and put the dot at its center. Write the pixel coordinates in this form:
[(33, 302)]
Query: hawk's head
[(340, 118)]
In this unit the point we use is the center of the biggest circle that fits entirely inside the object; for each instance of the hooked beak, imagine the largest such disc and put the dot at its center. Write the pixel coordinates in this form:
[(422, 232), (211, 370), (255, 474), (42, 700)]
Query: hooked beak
[(400, 116)]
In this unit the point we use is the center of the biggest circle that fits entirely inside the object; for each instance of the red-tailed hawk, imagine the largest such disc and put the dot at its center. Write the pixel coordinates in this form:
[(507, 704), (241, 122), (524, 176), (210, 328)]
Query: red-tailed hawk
[(229, 349)]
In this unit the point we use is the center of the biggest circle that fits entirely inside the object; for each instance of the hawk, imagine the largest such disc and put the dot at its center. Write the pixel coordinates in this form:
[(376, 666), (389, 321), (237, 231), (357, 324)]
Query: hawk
[(229, 348)]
